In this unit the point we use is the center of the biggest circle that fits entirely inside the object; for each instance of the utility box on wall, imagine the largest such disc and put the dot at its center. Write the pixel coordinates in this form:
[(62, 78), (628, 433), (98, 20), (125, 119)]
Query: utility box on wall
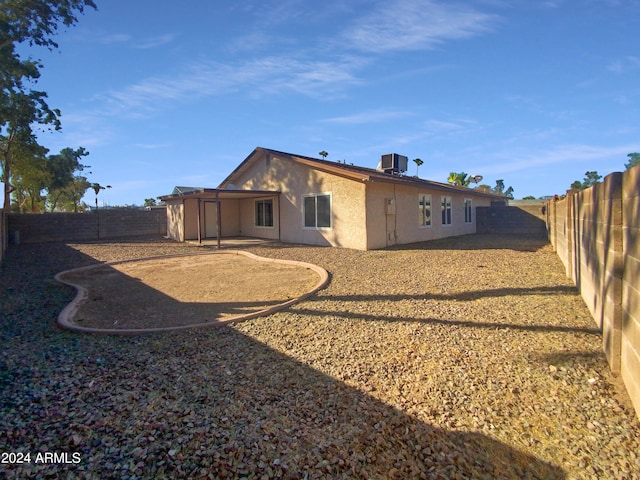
[(390, 206)]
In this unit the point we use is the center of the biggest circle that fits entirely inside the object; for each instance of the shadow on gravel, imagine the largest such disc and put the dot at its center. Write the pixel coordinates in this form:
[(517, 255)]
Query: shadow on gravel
[(463, 296), (201, 402), (449, 322), (520, 243)]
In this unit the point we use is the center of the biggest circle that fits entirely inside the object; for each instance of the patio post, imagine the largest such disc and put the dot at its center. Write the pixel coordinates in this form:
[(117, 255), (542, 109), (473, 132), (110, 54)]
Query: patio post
[(199, 223), (218, 219)]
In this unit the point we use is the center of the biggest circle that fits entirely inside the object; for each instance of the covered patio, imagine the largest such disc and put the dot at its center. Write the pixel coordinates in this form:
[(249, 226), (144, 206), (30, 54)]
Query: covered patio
[(209, 215)]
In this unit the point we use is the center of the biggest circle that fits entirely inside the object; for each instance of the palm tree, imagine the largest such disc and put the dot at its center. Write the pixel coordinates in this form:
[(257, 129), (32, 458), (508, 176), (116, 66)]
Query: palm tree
[(461, 179), (418, 163), (323, 154), (96, 188)]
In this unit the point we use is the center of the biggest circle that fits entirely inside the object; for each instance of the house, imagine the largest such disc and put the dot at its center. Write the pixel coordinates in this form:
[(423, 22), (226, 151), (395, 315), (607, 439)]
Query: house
[(298, 199)]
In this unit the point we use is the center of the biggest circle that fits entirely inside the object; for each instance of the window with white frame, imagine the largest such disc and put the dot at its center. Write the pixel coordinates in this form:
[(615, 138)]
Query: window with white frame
[(467, 211), (424, 210), (264, 213), (446, 210), (317, 210)]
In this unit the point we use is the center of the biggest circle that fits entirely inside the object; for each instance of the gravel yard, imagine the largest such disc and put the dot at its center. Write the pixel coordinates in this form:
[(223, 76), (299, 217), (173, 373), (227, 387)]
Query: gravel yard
[(471, 357)]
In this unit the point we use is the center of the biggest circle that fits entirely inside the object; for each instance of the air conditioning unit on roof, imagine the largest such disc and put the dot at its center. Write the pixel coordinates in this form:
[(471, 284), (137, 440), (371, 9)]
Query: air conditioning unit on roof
[(393, 163)]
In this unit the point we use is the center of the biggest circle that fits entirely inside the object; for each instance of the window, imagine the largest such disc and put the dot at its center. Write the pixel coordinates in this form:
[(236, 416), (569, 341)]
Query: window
[(317, 211), (424, 210), (264, 213), (467, 211), (446, 210)]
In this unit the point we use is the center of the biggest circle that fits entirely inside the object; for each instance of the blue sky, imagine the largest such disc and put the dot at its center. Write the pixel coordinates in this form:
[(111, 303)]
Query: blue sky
[(166, 93)]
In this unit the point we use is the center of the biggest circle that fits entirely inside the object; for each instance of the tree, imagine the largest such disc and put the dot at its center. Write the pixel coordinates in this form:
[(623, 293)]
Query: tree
[(323, 154), (71, 196), (577, 185), (461, 179), (484, 188), (18, 113), (591, 178), (500, 190), (150, 202), (31, 177), (634, 159), (509, 192), (418, 162), (62, 168), (32, 22)]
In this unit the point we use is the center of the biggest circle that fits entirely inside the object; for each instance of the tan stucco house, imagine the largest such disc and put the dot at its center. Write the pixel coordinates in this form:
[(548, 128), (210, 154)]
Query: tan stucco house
[(298, 199)]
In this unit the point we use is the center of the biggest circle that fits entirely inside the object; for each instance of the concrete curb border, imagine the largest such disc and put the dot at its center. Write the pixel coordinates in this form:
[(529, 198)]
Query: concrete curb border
[(65, 318)]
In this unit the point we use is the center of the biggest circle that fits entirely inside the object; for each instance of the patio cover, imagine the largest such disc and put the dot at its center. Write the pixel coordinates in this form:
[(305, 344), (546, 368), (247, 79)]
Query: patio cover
[(216, 195)]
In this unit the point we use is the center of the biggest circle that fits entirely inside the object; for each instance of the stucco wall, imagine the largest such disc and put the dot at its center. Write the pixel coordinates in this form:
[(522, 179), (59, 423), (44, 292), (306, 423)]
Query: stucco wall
[(596, 235), (230, 218), (385, 229), (361, 215), (183, 218), (190, 208), (175, 220), (294, 180), (248, 221)]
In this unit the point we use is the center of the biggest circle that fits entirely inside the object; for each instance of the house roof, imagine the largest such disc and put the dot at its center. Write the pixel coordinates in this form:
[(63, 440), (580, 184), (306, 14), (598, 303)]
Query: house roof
[(217, 193), (354, 172)]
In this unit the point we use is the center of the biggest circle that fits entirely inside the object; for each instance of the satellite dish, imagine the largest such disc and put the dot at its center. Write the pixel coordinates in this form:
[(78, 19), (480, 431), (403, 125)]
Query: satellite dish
[(476, 178)]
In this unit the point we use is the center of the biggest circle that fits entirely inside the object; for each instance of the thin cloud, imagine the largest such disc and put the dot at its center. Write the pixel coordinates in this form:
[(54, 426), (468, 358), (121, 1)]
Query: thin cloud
[(513, 162), (143, 44), (366, 117), (403, 25), (625, 65), (114, 38), (152, 146), (80, 130), (272, 75), (154, 42)]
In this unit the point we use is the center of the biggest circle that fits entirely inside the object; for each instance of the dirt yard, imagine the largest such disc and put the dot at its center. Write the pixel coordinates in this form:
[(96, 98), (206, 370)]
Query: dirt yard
[(469, 357), (185, 290)]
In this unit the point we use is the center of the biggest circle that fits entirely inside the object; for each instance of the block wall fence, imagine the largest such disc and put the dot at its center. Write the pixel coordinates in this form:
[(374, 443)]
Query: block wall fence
[(94, 225), (3, 234), (596, 233), (514, 219)]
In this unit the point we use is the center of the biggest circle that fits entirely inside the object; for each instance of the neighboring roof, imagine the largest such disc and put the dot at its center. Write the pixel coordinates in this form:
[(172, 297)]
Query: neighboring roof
[(182, 190), (214, 193), (354, 172)]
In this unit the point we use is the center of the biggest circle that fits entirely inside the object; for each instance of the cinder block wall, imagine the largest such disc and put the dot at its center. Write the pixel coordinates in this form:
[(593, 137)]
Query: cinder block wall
[(630, 347), (596, 234), (70, 227), (3, 234), (557, 227), (598, 259), (519, 220)]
